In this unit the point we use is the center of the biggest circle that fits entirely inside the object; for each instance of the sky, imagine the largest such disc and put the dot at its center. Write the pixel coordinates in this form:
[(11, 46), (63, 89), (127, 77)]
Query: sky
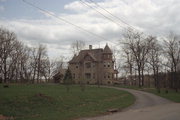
[(33, 27)]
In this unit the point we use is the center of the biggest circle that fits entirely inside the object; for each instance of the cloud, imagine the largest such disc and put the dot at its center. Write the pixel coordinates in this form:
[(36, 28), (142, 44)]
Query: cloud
[(48, 14), (149, 16), (2, 8), (76, 6), (3, 0)]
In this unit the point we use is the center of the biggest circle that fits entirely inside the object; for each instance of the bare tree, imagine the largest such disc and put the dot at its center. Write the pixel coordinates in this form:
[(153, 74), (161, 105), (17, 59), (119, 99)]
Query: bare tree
[(8, 40), (22, 66), (128, 63), (57, 67), (77, 46), (40, 61), (138, 45), (154, 60), (20, 63), (172, 49)]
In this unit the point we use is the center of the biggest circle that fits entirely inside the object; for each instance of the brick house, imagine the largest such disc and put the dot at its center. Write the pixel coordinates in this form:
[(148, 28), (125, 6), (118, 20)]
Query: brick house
[(93, 66)]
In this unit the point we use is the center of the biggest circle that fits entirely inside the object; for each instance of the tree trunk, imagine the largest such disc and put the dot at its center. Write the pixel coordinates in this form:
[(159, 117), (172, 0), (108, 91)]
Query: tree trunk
[(139, 76), (142, 77)]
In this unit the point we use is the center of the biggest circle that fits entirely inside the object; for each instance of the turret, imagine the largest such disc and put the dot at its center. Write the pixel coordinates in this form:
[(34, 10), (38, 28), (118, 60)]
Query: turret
[(107, 53)]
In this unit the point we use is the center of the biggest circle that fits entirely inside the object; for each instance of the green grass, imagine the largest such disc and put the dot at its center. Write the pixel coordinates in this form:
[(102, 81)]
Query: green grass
[(171, 95), (45, 102)]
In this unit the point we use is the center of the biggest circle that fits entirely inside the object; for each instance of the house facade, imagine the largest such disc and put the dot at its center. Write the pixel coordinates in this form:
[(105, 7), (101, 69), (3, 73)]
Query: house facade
[(93, 66), (178, 67)]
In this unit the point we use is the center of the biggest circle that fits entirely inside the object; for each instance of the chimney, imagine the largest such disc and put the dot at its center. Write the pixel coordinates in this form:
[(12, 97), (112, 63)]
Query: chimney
[(90, 47)]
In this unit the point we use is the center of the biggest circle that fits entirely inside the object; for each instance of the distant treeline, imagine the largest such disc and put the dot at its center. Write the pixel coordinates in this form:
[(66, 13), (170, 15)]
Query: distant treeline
[(20, 63), (146, 54)]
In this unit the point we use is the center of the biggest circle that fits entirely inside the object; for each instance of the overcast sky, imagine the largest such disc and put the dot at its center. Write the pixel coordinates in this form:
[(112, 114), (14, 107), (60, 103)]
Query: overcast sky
[(32, 26)]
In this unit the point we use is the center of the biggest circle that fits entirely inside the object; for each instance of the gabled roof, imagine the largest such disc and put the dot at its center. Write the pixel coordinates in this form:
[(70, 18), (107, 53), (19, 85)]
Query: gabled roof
[(95, 54), (92, 56), (107, 49)]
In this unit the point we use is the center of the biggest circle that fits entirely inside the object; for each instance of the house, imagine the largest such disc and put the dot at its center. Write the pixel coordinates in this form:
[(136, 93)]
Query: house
[(178, 67), (93, 66), (59, 76)]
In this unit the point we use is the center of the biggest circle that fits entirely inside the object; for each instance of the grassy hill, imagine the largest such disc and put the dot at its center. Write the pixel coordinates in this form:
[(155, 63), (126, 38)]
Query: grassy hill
[(45, 102)]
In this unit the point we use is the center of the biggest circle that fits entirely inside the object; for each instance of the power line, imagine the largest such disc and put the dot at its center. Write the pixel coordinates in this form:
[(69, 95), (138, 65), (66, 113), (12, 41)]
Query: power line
[(64, 20), (84, 3), (112, 14)]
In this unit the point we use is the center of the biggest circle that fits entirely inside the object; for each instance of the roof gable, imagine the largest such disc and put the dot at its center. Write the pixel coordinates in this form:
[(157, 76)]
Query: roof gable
[(88, 57), (107, 49)]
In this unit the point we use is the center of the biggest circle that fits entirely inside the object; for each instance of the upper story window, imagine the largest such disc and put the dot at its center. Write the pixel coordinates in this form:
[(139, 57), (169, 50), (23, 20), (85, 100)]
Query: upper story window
[(108, 64), (88, 65), (109, 76)]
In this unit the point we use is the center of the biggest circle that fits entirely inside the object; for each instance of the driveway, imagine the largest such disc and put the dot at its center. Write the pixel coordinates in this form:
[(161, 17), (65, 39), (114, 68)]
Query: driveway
[(147, 107)]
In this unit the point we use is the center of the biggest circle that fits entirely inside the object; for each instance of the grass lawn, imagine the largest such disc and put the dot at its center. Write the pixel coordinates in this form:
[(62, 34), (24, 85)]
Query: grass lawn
[(171, 95), (53, 102)]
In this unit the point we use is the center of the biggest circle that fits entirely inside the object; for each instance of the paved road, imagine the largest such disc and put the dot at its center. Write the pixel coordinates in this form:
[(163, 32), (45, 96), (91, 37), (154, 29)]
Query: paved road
[(146, 107), (144, 99)]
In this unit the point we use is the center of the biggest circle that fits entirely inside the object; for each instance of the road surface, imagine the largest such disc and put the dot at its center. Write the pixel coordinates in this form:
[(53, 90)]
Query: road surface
[(147, 107)]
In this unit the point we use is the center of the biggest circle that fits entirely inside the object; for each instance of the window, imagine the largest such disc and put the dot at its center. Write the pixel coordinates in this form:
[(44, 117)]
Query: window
[(77, 66), (104, 64), (108, 64), (109, 76), (88, 65), (88, 75)]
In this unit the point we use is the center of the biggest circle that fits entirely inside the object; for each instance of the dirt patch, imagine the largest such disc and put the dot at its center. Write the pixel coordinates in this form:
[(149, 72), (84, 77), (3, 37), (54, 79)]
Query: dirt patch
[(2, 117), (43, 96)]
